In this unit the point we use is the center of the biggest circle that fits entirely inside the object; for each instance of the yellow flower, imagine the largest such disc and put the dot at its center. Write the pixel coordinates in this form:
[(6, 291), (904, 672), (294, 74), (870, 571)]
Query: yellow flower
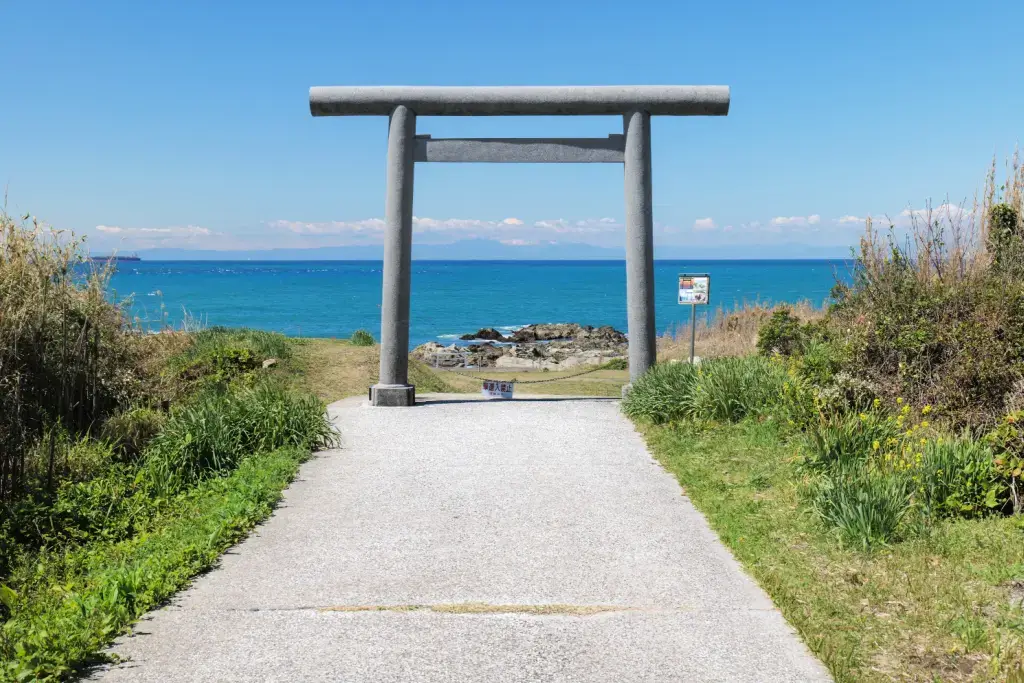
[(877, 402), (924, 424), (863, 416), (899, 401), (927, 409), (876, 445), (924, 441)]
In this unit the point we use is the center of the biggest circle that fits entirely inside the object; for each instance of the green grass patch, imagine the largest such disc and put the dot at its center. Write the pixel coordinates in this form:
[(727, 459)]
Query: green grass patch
[(936, 606), (67, 607)]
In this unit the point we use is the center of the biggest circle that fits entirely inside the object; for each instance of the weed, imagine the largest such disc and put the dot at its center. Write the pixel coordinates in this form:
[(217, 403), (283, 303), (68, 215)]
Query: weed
[(362, 338), (865, 508)]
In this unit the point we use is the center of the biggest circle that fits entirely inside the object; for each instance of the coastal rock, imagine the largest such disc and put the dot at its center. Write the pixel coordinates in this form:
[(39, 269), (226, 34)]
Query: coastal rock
[(485, 333), (540, 346)]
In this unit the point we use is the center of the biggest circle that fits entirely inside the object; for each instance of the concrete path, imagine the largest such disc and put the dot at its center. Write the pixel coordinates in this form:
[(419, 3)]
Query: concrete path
[(469, 540)]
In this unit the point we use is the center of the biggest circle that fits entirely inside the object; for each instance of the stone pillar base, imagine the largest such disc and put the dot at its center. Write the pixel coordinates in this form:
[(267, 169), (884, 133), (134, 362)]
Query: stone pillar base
[(401, 395)]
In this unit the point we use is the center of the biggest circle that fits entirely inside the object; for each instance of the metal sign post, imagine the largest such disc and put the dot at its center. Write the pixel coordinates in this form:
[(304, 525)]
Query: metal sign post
[(694, 289)]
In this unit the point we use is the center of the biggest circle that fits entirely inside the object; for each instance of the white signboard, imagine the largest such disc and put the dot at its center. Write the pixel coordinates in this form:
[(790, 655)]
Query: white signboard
[(495, 389), (694, 289)]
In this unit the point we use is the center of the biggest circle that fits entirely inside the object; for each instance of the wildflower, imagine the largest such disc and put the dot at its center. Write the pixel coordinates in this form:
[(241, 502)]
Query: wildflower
[(877, 402), (927, 409), (863, 416), (899, 401), (876, 445), (924, 424), (924, 441)]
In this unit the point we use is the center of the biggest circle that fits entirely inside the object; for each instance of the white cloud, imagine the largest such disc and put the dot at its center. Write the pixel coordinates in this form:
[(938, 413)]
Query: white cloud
[(581, 227), (518, 243), (796, 220), (512, 221), (844, 220), (704, 224)]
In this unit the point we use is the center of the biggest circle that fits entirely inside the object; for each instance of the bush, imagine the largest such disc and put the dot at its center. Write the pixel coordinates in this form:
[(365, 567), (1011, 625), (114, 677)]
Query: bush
[(956, 478), (723, 389), (1007, 440), (617, 364), (730, 389), (782, 334), (864, 508), (131, 431), (215, 431), (68, 356), (219, 355), (845, 442), (662, 394), (362, 338)]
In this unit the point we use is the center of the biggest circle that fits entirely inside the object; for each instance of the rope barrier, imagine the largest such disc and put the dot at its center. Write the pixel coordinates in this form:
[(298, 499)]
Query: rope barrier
[(516, 381)]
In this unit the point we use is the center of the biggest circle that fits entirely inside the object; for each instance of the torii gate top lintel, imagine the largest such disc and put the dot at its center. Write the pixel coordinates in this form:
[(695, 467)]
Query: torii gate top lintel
[(543, 100), (632, 149)]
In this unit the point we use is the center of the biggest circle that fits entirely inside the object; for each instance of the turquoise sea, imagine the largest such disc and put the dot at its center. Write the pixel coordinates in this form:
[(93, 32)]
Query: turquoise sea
[(449, 298)]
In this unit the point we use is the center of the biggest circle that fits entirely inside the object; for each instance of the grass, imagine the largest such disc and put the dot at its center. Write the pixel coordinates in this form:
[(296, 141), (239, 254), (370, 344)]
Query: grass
[(78, 602), (333, 369), (935, 607), (729, 333)]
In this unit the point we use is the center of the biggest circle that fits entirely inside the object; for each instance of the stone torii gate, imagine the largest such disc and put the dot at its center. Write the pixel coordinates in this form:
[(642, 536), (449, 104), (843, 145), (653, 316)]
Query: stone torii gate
[(636, 104)]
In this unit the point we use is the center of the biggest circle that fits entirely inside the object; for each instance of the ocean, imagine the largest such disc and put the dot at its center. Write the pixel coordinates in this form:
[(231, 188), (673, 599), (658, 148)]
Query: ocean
[(449, 298)]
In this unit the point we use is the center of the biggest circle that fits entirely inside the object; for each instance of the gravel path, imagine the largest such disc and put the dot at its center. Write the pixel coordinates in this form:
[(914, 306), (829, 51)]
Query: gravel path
[(470, 540)]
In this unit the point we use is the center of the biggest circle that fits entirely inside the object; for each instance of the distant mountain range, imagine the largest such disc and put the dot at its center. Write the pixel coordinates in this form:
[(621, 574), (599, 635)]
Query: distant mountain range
[(481, 250)]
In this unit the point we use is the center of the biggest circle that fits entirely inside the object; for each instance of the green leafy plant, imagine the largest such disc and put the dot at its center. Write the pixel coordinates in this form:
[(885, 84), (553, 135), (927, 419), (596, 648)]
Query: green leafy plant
[(863, 507), (662, 394), (1007, 440), (216, 430), (129, 432), (730, 389), (957, 478), (782, 334), (845, 442), (362, 338)]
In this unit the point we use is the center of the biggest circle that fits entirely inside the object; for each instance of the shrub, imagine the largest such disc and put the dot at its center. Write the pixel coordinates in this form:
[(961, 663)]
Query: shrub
[(131, 431), (1007, 440), (662, 394), (219, 355), (215, 431), (782, 334), (723, 389), (863, 507), (845, 442), (730, 389), (617, 364), (1006, 238), (68, 356), (956, 478), (362, 338)]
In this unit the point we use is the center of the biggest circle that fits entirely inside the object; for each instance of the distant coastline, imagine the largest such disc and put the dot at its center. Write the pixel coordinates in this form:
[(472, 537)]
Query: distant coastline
[(115, 257)]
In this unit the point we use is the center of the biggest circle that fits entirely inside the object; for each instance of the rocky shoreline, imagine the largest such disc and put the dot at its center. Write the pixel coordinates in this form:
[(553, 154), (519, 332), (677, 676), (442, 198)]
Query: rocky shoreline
[(542, 346)]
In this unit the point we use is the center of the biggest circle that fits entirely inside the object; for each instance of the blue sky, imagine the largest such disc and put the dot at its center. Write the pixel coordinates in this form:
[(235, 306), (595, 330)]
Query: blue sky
[(186, 124)]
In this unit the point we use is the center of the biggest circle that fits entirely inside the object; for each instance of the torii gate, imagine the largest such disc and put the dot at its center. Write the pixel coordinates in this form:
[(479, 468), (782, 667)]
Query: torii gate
[(636, 104)]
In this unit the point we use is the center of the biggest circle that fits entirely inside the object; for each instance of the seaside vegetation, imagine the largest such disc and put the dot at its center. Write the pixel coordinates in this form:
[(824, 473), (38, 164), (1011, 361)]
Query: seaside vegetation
[(128, 461), (865, 463)]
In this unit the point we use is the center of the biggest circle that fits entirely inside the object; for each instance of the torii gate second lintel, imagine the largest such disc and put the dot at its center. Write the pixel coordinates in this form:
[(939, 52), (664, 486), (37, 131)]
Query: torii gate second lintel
[(632, 148)]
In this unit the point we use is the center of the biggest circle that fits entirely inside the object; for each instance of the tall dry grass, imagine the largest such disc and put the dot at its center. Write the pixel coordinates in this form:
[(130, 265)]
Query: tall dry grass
[(67, 354), (729, 333)]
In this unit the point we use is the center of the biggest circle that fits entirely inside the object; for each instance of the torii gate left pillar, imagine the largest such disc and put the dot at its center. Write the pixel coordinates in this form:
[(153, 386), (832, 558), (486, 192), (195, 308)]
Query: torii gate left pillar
[(636, 104)]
